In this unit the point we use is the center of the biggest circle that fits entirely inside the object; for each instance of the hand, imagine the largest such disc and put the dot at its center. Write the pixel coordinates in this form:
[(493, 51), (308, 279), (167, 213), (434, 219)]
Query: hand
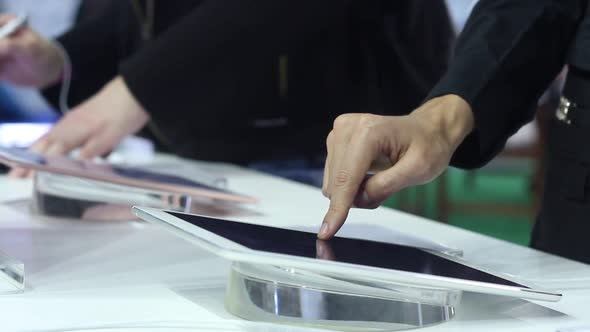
[(96, 126), (28, 59), (417, 148)]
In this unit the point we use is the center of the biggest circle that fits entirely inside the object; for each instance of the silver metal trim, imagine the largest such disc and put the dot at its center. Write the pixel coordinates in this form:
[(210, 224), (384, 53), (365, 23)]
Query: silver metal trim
[(563, 110)]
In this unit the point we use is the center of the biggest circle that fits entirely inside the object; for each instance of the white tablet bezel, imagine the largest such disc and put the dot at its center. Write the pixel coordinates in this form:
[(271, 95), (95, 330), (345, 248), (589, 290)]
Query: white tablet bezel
[(235, 252), (9, 158)]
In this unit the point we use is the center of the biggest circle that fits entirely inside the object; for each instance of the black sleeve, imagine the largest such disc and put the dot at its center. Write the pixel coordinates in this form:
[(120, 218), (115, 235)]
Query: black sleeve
[(414, 54), (94, 49), (505, 58)]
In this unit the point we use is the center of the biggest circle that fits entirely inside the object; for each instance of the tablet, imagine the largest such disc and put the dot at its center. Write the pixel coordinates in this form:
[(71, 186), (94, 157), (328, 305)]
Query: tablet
[(122, 175), (353, 259)]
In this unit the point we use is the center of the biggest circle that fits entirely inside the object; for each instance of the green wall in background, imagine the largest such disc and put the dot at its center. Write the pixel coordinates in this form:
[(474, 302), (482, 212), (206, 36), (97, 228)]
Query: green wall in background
[(483, 186)]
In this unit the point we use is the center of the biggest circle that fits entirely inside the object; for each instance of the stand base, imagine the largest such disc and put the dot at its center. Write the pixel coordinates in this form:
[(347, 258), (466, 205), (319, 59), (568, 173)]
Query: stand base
[(285, 296), (63, 196)]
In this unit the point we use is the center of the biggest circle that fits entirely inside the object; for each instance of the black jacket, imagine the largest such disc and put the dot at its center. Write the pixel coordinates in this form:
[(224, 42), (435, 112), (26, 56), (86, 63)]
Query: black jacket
[(505, 58), (242, 80)]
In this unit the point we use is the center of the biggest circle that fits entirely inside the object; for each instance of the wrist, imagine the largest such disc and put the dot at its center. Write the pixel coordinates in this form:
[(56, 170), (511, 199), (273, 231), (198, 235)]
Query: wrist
[(118, 87), (450, 115)]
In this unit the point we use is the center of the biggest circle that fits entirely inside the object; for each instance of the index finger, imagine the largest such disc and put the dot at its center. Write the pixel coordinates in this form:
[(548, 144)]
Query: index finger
[(347, 176)]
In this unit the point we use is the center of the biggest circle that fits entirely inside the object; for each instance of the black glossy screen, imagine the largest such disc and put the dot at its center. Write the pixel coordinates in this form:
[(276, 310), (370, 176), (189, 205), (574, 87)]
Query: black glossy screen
[(345, 250)]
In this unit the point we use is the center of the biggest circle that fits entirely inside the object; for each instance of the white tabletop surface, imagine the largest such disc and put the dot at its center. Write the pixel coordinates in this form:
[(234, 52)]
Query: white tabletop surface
[(134, 276)]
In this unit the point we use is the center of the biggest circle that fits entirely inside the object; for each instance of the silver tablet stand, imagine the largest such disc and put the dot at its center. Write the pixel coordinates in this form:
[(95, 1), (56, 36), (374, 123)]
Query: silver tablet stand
[(290, 296)]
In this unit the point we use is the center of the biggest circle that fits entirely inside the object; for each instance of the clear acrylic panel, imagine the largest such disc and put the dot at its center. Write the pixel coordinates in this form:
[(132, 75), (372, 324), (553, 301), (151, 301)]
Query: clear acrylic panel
[(286, 296)]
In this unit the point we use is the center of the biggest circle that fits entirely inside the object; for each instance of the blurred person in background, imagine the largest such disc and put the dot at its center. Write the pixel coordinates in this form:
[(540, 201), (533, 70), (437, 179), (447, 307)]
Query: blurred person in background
[(250, 82), (50, 19)]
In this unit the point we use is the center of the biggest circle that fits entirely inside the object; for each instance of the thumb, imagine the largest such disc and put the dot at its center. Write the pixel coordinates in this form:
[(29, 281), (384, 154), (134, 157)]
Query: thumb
[(410, 170)]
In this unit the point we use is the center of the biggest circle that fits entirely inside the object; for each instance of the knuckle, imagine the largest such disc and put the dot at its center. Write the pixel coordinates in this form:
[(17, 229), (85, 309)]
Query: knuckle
[(343, 120), (325, 187), (382, 185), (366, 120), (382, 188), (336, 209), (330, 139), (365, 128), (342, 178)]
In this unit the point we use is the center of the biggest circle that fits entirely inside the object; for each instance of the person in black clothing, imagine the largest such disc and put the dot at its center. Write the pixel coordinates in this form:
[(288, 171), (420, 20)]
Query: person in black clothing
[(234, 80), (508, 54)]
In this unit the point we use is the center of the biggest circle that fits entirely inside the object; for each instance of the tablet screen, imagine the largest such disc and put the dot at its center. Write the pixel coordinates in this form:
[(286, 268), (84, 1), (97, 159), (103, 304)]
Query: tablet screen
[(344, 250)]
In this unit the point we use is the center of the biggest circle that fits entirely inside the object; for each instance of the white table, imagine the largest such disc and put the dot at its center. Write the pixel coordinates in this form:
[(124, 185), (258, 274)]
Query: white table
[(82, 274)]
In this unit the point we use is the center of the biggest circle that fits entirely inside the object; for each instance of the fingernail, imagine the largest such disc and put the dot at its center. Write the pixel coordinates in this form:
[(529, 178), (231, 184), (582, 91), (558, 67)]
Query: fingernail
[(324, 230)]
